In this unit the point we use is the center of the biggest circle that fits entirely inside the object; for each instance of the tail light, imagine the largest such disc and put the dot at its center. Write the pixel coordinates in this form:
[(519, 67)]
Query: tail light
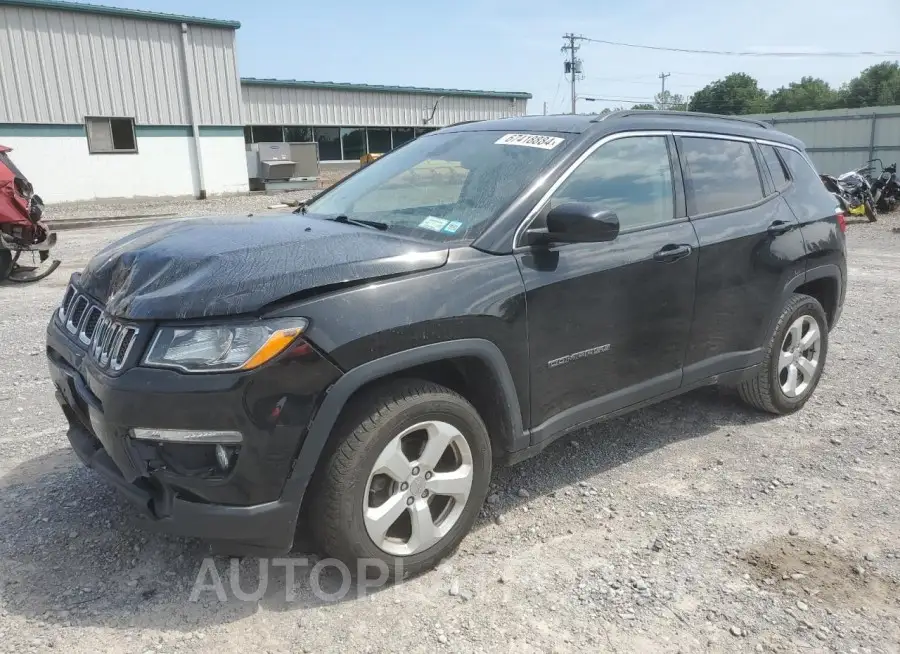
[(841, 220)]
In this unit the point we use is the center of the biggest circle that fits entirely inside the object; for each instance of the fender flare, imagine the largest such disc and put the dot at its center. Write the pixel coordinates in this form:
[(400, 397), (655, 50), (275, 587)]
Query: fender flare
[(336, 398), (829, 270)]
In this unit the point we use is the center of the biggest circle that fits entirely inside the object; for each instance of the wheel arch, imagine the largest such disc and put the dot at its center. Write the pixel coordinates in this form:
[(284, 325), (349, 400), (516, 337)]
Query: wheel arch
[(437, 362), (824, 283)]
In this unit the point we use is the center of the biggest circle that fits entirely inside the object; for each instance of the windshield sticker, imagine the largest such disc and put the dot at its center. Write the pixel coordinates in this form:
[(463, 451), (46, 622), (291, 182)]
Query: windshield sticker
[(452, 227), (434, 224), (530, 141)]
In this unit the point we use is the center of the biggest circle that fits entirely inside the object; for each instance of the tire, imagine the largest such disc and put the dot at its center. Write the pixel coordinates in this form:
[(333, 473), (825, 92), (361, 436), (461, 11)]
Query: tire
[(870, 212), (6, 264), (766, 391), (346, 488)]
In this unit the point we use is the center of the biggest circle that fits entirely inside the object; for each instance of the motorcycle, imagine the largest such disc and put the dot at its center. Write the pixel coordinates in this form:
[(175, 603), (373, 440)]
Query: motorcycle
[(885, 187), (853, 193), (21, 229)]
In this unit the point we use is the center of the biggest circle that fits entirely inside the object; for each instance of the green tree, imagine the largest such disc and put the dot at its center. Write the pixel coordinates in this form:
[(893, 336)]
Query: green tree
[(646, 105), (877, 85), (670, 101), (807, 94), (738, 93)]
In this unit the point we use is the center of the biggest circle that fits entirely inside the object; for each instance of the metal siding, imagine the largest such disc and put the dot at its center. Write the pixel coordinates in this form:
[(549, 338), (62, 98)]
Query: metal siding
[(839, 140), (58, 67), (285, 105)]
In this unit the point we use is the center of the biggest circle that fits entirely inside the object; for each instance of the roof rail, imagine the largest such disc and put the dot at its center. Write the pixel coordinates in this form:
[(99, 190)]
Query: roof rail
[(685, 114)]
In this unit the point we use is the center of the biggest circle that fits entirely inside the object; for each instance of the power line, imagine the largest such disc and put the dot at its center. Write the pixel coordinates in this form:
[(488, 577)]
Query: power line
[(747, 53)]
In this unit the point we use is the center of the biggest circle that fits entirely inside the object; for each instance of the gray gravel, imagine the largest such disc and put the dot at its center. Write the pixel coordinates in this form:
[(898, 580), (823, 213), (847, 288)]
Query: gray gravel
[(693, 525), (223, 205)]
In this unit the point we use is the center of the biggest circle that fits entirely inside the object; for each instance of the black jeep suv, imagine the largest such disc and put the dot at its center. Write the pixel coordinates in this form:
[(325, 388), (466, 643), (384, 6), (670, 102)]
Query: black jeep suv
[(462, 302)]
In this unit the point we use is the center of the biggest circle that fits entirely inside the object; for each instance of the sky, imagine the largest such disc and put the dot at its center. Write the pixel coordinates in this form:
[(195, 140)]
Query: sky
[(514, 45)]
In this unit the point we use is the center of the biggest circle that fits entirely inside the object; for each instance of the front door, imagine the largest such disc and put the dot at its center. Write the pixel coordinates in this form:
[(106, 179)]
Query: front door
[(608, 323)]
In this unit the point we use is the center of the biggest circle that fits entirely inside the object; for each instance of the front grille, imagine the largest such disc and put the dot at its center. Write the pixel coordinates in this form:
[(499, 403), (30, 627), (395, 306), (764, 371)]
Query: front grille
[(108, 340)]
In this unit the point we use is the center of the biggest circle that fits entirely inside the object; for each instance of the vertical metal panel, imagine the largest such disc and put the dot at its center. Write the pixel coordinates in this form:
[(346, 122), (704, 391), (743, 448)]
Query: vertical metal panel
[(286, 105), (58, 67), (842, 139)]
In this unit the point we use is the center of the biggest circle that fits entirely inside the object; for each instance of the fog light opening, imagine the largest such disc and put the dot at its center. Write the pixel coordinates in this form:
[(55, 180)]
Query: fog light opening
[(225, 457)]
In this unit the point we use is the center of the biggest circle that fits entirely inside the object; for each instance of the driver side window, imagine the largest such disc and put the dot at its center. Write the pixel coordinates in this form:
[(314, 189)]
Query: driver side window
[(631, 176)]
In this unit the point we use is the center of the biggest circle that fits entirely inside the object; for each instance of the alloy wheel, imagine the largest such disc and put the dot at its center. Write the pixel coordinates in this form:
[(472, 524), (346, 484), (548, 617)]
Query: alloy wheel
[(418, 488), (799, 356)]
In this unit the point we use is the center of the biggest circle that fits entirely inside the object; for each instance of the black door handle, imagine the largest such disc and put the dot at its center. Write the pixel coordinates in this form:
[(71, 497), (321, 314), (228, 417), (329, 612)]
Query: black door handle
[(778, 227), (672, 252)]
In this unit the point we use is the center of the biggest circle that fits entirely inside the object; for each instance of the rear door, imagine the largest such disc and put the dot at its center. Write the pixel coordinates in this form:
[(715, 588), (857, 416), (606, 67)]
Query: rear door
[(608, 323), (750, 247)]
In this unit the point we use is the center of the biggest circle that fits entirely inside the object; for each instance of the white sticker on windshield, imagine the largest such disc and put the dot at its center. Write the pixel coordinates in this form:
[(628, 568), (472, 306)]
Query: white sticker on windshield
[(432, 223), (530, 141), (453, 227)]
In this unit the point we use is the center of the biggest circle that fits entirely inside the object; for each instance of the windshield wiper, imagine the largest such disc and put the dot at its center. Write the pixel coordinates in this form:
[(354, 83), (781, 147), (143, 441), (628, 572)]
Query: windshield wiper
[(360, 222)]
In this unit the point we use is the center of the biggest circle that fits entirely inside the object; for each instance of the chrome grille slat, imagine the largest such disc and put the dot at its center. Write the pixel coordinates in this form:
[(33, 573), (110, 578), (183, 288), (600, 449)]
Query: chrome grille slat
[(92, 316), (108, 341), (79, 306)]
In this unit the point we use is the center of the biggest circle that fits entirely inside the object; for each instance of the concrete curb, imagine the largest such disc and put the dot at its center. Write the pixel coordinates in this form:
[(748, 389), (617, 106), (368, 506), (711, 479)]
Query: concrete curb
[(84, 223)]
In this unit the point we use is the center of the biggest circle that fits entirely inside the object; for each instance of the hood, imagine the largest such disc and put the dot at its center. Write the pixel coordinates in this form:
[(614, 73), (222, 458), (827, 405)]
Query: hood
[(230, 265)]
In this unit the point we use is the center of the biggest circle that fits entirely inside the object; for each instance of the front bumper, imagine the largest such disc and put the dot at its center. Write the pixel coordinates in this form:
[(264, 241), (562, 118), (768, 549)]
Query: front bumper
[(248, 505)]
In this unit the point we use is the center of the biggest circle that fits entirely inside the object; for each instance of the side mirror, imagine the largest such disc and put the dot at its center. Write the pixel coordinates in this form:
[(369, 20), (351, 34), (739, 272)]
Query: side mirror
[(575, 222)]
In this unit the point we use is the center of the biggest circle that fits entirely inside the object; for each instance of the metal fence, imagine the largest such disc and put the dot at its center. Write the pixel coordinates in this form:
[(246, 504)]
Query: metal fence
[(843, 139)]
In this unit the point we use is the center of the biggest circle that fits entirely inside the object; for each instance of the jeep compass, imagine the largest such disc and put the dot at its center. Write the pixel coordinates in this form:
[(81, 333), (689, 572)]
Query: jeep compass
[(458, 304)]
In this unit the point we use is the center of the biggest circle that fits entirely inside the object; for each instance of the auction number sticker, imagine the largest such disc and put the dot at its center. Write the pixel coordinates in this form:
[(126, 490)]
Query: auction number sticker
[(530, 141)]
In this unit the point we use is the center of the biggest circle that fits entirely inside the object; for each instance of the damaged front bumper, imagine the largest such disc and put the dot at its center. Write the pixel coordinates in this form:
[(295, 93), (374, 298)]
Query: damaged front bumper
[(179, 488)]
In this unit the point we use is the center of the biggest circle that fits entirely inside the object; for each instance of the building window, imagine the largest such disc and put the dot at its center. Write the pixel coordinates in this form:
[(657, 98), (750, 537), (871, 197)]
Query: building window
[(267, 133), (105, 135), (329, 139), (379, 139), (295, 134), (353, 140), (424, 130), (401, 135)]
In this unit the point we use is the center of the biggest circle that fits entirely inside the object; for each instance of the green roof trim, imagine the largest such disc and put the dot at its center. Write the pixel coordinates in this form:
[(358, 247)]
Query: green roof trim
[(117, 11), (375, 88)]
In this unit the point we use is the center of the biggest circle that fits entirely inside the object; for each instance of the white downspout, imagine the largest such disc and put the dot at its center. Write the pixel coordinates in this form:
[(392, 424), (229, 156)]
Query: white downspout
[(192, 104)]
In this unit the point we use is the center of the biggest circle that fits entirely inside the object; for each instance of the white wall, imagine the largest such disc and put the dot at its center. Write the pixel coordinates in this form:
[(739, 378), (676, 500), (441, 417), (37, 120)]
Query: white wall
[(62, 170)]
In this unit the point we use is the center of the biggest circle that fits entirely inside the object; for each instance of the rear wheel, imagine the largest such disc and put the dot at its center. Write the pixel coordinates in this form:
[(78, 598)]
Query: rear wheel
[(407, 478), (794, 359)]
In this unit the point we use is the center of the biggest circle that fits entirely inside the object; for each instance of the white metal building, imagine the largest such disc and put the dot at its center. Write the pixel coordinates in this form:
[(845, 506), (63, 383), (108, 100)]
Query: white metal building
[(100, 102), (350, 120)]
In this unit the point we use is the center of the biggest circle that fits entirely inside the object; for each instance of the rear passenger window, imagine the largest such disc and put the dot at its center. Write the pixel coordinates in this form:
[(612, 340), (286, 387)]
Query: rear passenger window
[(776, 168), (801, 170), (721, 174)]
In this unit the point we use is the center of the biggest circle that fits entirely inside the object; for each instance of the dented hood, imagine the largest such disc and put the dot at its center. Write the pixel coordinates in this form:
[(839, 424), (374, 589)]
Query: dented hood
[(231, 265)]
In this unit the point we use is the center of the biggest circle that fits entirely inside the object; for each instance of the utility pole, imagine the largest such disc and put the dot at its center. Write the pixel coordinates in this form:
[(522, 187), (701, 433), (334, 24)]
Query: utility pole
[(662, 95), (572, 65), (545, 107)]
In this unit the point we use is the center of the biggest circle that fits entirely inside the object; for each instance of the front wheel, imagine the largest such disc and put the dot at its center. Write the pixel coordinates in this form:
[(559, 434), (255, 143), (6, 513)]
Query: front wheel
[(870, 212), (6, 263), (406, 480), (794, 359)]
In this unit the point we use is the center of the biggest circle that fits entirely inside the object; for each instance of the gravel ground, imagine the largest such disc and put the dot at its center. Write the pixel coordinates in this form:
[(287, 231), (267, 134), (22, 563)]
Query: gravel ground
[(184, 206), (693, 525)]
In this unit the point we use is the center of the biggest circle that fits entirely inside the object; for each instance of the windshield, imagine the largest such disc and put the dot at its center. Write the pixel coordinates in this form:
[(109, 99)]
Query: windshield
[(445, 186)]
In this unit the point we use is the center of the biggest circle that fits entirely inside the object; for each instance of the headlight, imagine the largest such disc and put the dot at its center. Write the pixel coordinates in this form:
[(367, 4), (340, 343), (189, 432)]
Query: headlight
[(222, 347)]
